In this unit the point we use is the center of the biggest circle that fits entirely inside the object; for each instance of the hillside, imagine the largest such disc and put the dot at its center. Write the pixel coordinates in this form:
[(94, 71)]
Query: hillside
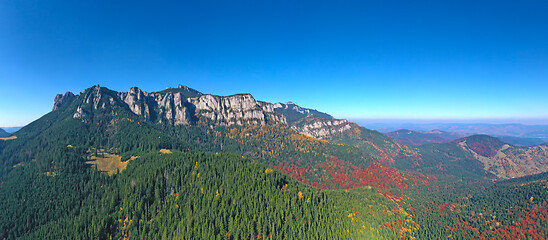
[(504, 160), (58, 149), (182, 164), (3, 133)]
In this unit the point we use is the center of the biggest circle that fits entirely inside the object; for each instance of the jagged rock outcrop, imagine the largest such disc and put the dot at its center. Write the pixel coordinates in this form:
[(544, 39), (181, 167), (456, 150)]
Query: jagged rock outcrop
[(291, 106), (61, 100), (79, 113), (322, 128), (293, 112), (168, 107), (184, 106), (236, 109)]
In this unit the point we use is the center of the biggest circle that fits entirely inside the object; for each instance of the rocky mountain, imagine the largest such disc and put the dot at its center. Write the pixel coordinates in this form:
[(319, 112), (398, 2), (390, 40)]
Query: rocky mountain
[(321, 127), (186, 106), (416, 138), (180, 106), (294, 112)]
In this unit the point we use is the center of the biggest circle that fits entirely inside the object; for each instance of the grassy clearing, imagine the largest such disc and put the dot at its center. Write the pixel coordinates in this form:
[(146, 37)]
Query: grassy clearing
[(9, 138), (109, 163)]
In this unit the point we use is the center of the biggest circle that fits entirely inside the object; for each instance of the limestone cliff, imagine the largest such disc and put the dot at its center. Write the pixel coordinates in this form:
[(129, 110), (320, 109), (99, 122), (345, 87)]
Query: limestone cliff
[(321, 127), (236, 109), (182, 106), (186, 106), (61, 100)]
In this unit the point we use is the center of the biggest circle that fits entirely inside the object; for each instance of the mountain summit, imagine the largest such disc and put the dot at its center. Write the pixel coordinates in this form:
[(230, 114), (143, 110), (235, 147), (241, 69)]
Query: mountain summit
[(187, 106)]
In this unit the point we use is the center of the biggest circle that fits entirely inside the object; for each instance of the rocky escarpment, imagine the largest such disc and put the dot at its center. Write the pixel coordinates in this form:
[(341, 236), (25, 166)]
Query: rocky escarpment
[(293, 112), (186, 106), (321, 127), (237, 109), (293, 107), (169, 107), (182, 106), (61, 100), (176, 108)]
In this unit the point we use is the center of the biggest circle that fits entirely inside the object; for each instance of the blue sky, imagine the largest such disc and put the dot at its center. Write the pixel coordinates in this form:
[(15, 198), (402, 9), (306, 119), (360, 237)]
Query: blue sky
[(354, 59)]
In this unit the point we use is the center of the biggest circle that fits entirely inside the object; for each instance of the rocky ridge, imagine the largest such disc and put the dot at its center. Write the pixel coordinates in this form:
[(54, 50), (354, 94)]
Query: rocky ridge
[(186, 106), (60, 100), (174, 106), (321, 127)]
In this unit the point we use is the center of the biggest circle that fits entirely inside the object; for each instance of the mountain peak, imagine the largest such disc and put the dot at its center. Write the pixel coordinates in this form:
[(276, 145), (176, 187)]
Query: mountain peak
[(60, 100), (186, 91)]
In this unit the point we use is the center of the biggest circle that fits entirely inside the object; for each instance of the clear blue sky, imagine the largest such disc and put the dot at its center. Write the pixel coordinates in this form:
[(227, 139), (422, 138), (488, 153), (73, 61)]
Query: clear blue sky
[(353, 59)]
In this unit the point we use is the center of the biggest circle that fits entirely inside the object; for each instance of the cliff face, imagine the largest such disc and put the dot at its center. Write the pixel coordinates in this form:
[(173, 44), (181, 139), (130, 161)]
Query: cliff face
[(61, 100), (236, 109), (186, 106), (321, 127), (169, 107), (181, 106)]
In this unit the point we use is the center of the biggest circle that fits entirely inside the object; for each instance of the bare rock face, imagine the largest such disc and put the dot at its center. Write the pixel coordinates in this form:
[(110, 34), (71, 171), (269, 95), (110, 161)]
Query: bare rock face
[(173, 107), (186, 106), (322, 128), (94, 97), (61, 100), (136, 100), (170, 107), (79, 113), (236, 109), (293, 106)]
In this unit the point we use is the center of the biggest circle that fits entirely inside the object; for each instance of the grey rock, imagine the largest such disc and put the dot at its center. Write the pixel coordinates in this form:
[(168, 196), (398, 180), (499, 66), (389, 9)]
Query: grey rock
[(61, 100), (323, 128), (79, 113)]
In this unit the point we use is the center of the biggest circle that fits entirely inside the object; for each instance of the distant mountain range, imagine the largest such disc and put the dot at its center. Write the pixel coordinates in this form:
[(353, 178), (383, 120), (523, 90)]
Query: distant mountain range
[(416, 138), (11, 129), (513, 130)]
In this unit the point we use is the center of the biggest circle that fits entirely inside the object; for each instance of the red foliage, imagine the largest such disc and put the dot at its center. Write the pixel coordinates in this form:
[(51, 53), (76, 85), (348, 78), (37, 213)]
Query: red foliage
[(529, 227), (483, 148), (337, 174)]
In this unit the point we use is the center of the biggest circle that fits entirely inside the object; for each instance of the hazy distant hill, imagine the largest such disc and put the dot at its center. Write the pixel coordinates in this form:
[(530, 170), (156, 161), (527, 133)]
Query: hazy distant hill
[(514, 130), (12, 129), (522, 141), (3, 133), (416, 138)]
